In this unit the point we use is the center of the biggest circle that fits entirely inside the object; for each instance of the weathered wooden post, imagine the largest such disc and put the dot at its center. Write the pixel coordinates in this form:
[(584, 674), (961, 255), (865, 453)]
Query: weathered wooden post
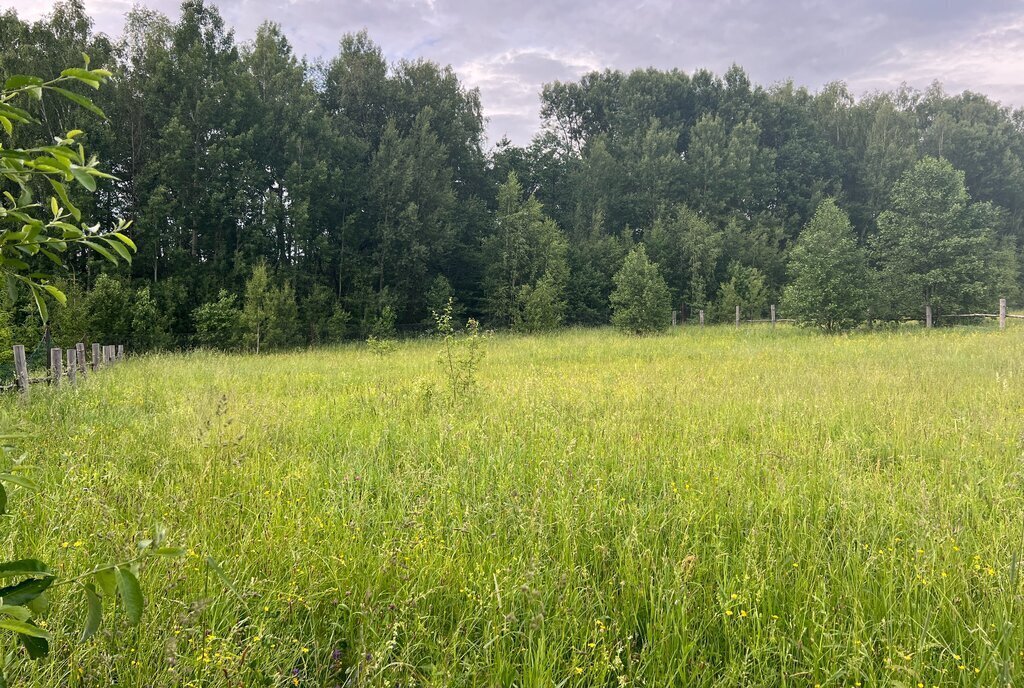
[(96, 363), (72, 371), (120, 352), (675, 314), (928, 315), (701, 316), (56, 365), (21, 368), (1002, 314), (737, 316), (773, 315), (80, 356)]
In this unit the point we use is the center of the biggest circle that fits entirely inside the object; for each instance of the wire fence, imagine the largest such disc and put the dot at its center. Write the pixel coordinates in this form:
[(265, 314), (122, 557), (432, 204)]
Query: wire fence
[(1002, 316)]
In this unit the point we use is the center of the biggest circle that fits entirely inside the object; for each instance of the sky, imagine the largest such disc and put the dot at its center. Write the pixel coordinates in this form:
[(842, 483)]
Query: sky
[(510, 49)]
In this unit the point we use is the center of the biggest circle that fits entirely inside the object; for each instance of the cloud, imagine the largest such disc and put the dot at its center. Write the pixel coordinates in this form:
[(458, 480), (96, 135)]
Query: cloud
[(509, 50)]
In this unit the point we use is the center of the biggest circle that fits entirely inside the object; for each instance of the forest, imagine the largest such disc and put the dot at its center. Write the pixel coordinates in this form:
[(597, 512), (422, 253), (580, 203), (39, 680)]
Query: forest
[(280, 202)]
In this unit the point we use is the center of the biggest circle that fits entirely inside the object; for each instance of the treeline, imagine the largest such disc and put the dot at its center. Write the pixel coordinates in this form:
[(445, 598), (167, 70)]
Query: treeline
[(285, 202)]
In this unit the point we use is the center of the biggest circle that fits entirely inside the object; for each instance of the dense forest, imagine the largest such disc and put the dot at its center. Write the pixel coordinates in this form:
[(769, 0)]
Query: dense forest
[(284, 202)]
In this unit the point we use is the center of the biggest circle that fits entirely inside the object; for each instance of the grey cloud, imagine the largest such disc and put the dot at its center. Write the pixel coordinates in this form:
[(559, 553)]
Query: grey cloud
[(508, 50)]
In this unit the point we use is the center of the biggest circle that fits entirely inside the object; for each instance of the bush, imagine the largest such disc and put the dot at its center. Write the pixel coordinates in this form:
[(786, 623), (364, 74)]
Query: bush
[(640, 301)]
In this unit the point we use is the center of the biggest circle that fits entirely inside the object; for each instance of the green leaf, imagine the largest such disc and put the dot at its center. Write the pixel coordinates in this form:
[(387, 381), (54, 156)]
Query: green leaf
[(171, 552), (20, 481), (62, 193), (131, 594), (24, 628), (21, 81), (56, 294), (35, 646), (126, 241), (119, 248), (24, 567), (44, 310), (78, 100), (83, 75), (94, 614), (24, 592), (100, 250), (6, 123), (3, 500), (17, 611), (108, 582), (84, 178)]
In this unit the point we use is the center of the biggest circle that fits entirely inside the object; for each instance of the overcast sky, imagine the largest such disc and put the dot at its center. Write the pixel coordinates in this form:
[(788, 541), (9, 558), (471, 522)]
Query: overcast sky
[(509, 49)]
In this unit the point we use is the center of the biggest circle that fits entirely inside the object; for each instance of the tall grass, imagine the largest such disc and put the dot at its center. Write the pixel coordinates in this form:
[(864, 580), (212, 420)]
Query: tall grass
[(712, 507)]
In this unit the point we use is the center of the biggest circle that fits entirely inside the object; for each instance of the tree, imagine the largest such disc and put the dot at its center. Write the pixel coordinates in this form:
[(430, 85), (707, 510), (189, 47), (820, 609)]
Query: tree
[(687, 247), (254, 311), (524, 247), (282, 318), (640, 301), (219, 324), (829, 287), (934, 246), (744, 288)]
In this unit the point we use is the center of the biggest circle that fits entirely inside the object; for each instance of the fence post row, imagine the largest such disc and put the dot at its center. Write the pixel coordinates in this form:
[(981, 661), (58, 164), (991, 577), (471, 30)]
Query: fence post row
[(76, 363)]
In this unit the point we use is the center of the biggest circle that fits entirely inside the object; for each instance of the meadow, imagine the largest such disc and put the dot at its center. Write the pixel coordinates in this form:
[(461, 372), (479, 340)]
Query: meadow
[(708, 507)]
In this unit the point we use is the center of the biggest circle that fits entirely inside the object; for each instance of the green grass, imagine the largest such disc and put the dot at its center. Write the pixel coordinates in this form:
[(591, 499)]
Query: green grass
[(708, 507)]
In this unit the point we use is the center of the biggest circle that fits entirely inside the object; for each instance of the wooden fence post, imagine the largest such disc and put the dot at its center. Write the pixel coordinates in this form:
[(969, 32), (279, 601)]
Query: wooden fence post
[(701, 315), (928, 315), (737, 316), (106, 355), (21, 368), (120, 352), (72, 366), (80, 356), (56, 365), (1002, 314), (675, 315), (95, 357), (773, 315)]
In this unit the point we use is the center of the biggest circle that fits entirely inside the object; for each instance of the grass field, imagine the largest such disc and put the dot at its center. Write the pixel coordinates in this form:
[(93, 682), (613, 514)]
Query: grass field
[(704, 508)]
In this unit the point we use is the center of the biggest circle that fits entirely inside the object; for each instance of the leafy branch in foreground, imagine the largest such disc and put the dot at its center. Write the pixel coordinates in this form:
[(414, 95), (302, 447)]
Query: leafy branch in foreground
[(37, 216), (30, 228)]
